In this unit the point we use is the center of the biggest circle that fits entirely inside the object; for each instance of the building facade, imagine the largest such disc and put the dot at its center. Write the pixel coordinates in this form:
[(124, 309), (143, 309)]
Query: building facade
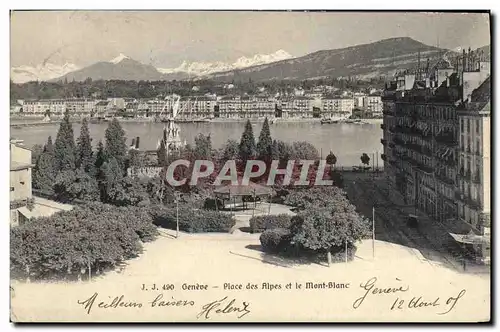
[(296, 107), (373, 105), (336, 107), (423, 139), (474, 161), (20, 172)]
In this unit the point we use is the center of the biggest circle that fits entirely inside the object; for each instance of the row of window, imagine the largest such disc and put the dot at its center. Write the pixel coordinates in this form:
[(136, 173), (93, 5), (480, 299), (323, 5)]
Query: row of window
[(466, 123)]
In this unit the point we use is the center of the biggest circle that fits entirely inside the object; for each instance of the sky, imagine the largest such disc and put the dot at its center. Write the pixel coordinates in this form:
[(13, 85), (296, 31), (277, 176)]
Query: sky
[(165, 39)]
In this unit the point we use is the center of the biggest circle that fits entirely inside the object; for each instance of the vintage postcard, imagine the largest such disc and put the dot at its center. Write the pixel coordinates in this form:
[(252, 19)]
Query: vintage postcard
[(239, 166)]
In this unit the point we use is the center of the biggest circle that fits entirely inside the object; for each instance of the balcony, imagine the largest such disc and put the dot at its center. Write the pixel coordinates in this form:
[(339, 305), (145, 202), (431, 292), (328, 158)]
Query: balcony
[(383, 141), (444, 178), (384, 157), (459, 196), (472, 203), (383, 126), (477, 178)]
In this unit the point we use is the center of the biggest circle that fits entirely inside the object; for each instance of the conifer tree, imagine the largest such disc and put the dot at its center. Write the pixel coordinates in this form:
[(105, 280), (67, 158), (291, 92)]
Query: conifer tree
[(116, 143), (264, 146), (100, 159), (84, 148), (64, 150), (247, 143), (100, 156), (44, 173), (161, 153)]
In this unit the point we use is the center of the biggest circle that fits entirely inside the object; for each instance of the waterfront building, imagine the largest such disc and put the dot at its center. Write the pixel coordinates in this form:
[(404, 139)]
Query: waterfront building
[(336, 107), (228, 107), (373, 105), (359, 100), (80, 107), (143, 109), (101, 108), (421, 134), (195, 107), (295, 107), (474, 161), (43, 107), (157, 107)]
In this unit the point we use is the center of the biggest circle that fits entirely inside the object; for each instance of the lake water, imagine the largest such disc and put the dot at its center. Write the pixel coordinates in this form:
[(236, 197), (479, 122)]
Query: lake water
[(347, 141)]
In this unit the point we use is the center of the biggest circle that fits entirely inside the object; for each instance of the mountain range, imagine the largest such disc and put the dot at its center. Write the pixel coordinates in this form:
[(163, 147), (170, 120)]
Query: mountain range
[(124, 68), (381, 58), (365, 61)]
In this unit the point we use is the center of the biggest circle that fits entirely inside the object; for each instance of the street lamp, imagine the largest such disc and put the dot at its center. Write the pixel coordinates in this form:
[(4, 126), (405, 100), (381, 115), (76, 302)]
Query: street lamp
[(177, 214), (373, 232)]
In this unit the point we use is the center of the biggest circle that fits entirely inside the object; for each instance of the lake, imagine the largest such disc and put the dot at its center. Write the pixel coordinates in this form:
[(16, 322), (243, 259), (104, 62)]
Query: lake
[(346, 141)]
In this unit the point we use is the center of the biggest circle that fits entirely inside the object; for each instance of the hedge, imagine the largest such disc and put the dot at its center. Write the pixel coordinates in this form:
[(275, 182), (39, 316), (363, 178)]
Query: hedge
[(258, 224), (67, 243), (193, 220), (275, 240)]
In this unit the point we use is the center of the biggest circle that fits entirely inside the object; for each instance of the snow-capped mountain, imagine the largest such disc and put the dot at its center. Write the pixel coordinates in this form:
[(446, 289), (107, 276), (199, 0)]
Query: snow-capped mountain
[(206, 68), (120, 68), (119, 58), (22, 74)]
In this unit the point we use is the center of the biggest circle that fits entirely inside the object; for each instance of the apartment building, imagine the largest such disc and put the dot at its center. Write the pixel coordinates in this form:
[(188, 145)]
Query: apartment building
[(296, 107), (196, 107), (373, 105), (20, 172), (81, 107), (423, 137), (336, 107), (43, 107), (474, 161)]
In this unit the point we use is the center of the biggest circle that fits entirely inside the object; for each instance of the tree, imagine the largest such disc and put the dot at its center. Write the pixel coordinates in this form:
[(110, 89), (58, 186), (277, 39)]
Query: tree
[(247, 143), (112, 174), (304, 150), (76, 185), (231, 150), (162, 154), (84, 148), (116, 143), (64, 151), (326, 229), (331, 159), (365, 159), (203, 147), (281, 151), (36, 151), (44, 172), (264, 146)]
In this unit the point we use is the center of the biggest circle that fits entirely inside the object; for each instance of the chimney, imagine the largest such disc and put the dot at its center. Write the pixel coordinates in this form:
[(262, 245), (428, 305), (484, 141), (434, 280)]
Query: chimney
[(418, 67), (464, 61), (137, 142), (133, 142), (447, 81), (469, 60)]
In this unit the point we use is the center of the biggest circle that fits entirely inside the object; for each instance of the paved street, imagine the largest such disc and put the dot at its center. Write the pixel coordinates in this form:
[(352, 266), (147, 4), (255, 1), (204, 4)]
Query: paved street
[(431, 238)]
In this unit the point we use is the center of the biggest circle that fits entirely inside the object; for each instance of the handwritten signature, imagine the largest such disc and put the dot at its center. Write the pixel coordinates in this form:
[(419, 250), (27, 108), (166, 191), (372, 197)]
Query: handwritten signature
[(370, 288), (223, 307)]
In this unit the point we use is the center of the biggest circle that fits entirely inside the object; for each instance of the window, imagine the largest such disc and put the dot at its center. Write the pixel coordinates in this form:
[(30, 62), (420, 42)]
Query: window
[(462, 125), (11, 188), (468, 125), (477, 126), (22, 182)]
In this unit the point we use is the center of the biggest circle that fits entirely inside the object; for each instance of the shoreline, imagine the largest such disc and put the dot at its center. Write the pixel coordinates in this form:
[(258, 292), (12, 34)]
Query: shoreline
[(23, 122)]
